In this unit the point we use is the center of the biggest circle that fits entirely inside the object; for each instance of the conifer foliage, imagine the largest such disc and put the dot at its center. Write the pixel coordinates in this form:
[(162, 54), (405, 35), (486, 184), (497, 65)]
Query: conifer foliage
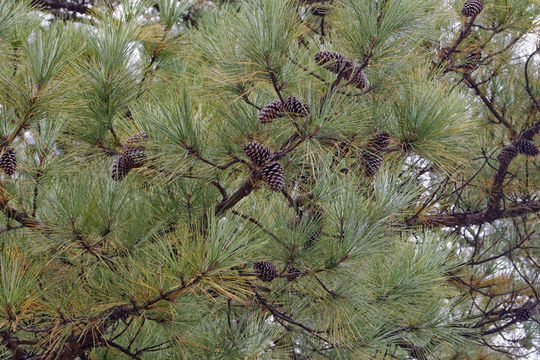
[(268, 179)]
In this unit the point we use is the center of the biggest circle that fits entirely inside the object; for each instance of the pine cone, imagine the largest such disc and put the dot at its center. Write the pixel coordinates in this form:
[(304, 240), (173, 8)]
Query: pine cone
[(359, 79), (472, 8), (345, 68), (444, 52), (508, 152), (293, 273), (472, 61), (257, 153), (136, 155), (121, 166), (134, 139), (266, 271), (526, 312), (295, 107), (380, 141), (330, 60), (8, 161), (526, 147), (371, 157), (371, 163), (272, 174), (271, 111)]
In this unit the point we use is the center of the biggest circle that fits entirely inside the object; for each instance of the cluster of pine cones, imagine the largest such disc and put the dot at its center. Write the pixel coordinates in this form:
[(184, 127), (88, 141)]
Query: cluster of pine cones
[(339, 64), (372, 155), (267, 272), (277, 109), (472, 8), (523, 146), (131, 157), (8, 160), (527, 311), (261, 156)]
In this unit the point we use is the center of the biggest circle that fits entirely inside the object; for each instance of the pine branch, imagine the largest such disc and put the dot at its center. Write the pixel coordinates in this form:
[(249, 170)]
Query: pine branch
[(477, 217), (58, 4), (527, 82), (470, 81), (244, 190), (492, 211)]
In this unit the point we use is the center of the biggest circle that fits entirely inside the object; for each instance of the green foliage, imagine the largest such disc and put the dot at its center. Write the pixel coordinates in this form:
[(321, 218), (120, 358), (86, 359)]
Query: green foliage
[(409, 263)]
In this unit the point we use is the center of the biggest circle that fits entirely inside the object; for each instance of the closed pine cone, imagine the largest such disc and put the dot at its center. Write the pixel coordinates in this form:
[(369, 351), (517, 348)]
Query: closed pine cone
[(295, 107), (472, 8), (257, 153), (508, 152), (271, 111), (359, 79), (330, 59), (136, 138), (527, 311), (136, 154), (266, 271), (273, 174), (371, 157), (293, 273), (8, 161), (526, 147), (121, 166)]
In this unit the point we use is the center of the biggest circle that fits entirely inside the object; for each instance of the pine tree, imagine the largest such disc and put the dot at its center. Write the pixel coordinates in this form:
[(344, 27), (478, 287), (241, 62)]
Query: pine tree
[(268, 179)]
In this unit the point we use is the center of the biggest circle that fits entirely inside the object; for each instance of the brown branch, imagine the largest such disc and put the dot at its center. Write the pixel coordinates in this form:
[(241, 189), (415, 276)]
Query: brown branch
[(273, 77), (462, 35), (244, 190), (476, 217), (66, 5), (469, 81), (20, 216), (284, 317), (527, 84), (221, 189), (261, 226)]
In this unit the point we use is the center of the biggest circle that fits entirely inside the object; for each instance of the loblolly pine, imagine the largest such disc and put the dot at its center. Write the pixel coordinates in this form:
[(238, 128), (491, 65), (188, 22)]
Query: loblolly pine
[(472, 61), (273, 174), (371, 156), (266, 271), (508, 152), (121, 166), (295, 107), (371, 163), (136, 154), (293, 273), (135, 139), (329, 59), (380, 141), (8, 161), (257, 153), (444, 52), (358, 78), (472, 8), (271, 112), (526, 147), (526, 312)]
